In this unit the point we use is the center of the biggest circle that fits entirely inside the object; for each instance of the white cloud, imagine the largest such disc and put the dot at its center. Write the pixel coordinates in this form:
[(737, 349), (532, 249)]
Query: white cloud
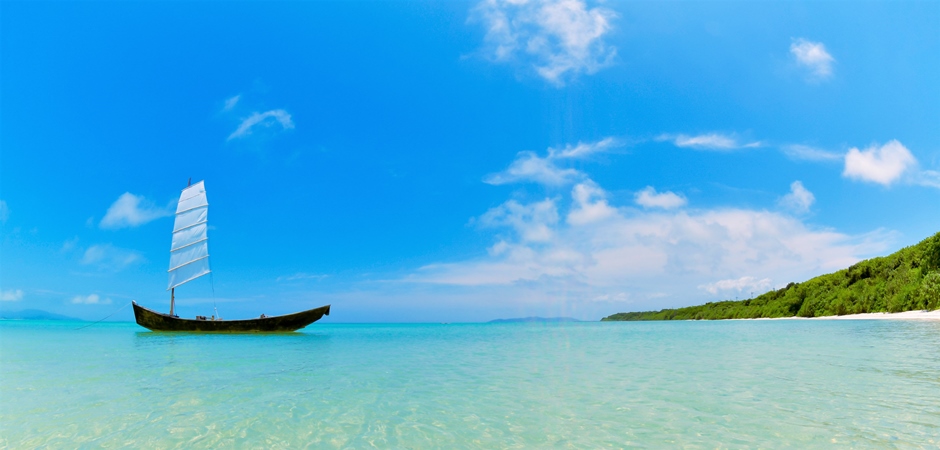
[(92, 299), (649, 198), (807, 153), (648, 253), (589, 205), (743, 285), (656, 256), (533, 222), (109, 257), (130, 210), (265, 119), (799, 200), (528, 166), (11, 295), (883, 165), (813, 56), (231, 102), (708, 141), (4, 212), (559, 39)]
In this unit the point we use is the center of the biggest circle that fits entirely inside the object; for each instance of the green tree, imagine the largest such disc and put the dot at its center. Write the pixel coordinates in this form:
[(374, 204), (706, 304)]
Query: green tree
[(930, 290), (931, 256)]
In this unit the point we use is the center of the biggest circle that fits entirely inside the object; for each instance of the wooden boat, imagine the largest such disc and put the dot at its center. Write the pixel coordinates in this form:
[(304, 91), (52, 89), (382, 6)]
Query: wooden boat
[(189, 260), (157, 321)]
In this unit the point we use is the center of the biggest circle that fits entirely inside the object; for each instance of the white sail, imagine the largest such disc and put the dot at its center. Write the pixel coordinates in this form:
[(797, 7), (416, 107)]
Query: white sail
[(189, 252)]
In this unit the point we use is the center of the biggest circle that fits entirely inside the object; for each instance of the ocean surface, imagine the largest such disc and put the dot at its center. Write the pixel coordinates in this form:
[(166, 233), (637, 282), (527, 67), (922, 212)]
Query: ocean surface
[(734, 384)]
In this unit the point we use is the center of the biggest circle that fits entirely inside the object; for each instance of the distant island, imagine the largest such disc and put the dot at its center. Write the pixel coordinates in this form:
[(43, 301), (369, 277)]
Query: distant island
[(907, 280), (535, 319), (33, 314)]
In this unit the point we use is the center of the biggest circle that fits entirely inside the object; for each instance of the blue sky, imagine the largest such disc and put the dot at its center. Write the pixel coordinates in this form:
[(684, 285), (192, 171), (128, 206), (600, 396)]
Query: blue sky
[(460, 161)]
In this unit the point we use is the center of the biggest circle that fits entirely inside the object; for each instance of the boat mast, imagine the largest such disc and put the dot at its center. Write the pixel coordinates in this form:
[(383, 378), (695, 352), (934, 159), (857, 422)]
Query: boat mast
[(173, 290)]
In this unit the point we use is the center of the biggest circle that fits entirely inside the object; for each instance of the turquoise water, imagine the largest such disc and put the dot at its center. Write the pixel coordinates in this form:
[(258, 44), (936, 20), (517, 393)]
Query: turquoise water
[(584, 385)]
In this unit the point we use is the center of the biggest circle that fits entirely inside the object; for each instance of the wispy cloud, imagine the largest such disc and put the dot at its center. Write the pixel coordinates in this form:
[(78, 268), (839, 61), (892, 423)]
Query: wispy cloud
[(929, 178), (11, 295), (649, 198), (266, 119), (741, 285), (69, 244), (807, 153), (619, 297), (110, 258), (533, 222), (732, 141), (91, 299), (799, 200), (559, 39), (231, 102), (814, 57), (4, 212), (708, 141), (584, 149), (883, 165), (530, 167), (301, 276), (130, 210)]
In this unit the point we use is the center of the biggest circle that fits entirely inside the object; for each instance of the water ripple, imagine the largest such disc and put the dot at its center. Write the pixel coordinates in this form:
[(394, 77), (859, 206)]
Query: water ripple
[(734, 384)]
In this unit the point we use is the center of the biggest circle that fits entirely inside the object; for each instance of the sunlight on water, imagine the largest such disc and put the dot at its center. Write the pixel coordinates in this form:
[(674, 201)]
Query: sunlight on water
[(685, 384)]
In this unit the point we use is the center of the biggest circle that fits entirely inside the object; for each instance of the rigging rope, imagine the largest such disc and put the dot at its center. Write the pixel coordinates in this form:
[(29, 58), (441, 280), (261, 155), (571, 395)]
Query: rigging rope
[(105, 317)]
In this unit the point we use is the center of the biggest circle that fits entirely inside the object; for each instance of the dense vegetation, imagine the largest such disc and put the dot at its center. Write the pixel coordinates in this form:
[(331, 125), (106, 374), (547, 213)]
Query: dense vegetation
[(904, 281)]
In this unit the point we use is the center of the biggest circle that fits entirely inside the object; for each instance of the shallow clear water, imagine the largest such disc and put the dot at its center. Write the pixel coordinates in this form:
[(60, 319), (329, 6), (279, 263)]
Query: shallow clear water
[(586, 385)]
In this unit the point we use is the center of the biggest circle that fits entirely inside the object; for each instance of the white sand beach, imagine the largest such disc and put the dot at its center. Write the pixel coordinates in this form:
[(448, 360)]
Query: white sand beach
[(906, 315)]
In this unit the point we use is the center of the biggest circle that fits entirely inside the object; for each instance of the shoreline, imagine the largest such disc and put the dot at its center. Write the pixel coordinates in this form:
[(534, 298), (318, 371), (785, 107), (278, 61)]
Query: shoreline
[(906, 315)]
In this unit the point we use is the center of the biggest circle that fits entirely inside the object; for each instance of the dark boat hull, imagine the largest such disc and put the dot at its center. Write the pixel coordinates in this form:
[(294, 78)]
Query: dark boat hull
[(156, 321)]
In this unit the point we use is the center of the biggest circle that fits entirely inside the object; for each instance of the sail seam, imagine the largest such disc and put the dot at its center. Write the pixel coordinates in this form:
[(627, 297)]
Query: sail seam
[(187, 281), (188, 245), (188, 263), (189, 226), (190, 209), (192, 196)]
